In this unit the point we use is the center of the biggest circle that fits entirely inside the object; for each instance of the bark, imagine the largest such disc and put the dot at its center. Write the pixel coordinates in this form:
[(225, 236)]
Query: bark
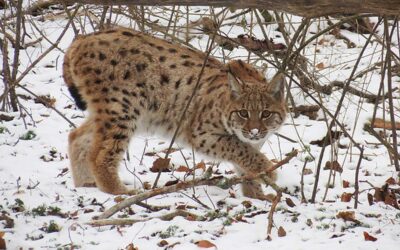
[(305, 8)]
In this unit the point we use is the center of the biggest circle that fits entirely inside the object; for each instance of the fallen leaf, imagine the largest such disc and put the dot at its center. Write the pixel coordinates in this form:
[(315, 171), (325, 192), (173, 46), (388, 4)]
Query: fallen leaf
[(172, 150), (146, 185), (160, 164), (322, 41), (386, 195), (131, 247), (205, 244), (346, 197), (391, 181), (118, 198), (2, 241), (281, 232), (201, 165), (320, 65), (369, 237), (162, 243), (9, 222), (247, 204), (347, 216), (290, 203), (307, 171), (335, 166), (182, 169), (346, 184)]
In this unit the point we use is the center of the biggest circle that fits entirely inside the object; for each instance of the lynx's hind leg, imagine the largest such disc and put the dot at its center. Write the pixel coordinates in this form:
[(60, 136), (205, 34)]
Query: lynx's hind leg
[(80, 140), (111, 140)]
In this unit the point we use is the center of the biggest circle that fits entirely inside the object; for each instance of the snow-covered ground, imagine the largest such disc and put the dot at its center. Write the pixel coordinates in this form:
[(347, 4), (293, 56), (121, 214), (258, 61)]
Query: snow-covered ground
[(37, 192)]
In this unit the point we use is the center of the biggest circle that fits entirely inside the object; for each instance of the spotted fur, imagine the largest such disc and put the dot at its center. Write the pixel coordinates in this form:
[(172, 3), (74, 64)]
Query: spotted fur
[(131, 82)]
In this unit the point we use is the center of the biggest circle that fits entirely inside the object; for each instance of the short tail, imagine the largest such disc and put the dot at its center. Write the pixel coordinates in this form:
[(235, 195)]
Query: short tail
[(73, 90)]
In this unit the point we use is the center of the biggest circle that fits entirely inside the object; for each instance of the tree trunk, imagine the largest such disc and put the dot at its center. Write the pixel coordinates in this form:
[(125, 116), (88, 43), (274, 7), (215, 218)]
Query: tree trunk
[(305, 8)]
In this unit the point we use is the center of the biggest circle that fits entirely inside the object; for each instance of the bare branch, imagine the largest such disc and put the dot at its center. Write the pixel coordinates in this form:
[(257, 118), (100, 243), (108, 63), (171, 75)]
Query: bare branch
[(215, 181), (306, 8)]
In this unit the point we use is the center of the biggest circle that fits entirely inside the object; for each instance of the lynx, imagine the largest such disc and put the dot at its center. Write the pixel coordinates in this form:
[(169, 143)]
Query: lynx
[(132, 82)]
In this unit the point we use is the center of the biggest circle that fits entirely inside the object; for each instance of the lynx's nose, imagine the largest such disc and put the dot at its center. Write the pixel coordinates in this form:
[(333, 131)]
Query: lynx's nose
[(254, 131)]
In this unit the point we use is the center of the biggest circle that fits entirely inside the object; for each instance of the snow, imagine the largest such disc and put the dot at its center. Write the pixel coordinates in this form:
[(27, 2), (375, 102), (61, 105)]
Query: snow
[(35, 171)]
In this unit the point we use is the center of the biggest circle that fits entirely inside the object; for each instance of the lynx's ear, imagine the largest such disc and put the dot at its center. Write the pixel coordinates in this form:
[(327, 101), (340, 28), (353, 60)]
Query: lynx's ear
[(235, 84), (276, 86)]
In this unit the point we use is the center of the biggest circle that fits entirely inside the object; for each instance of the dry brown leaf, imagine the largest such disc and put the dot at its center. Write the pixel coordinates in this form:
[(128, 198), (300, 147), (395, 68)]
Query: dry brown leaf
[(201, 165), (46, 100), (146, 185), (281, 232), (290, 203), (118, 198), (369, 237), (386, 195), (307, 171), (322, 41), (390, 199), (391, 181), (247, 204), (347, 216), (335, 166), (346, 197), (205, 244), (346, 184), (320, 65), (160, 164), (2, 241), (162, 243), (182, 169)]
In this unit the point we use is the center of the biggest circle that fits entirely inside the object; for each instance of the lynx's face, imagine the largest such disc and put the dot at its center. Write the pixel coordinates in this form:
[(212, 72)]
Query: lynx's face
[(258, 109)]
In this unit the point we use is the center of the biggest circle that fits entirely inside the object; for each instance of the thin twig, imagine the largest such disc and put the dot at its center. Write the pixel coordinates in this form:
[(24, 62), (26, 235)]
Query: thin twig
[(356, 186), (338, 108), (303, 197), (271, 214), (389, 79)]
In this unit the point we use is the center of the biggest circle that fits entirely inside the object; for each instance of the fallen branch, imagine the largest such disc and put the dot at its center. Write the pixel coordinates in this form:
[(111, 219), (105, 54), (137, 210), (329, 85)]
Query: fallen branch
[(221, 182), (128, 222), (370, 97)]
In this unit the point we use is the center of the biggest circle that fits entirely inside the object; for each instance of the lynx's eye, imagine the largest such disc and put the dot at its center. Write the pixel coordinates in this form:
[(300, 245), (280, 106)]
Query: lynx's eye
[(265, 114), (243, 114)]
